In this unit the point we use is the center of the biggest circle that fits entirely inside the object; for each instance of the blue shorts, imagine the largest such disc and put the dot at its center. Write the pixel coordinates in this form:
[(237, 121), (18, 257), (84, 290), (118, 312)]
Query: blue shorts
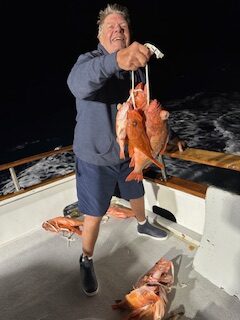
[(97, 184)]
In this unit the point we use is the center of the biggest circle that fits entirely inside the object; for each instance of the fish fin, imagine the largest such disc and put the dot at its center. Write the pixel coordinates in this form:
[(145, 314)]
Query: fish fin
[(132, 163), (130, 150), (157, 163), (120, 304), (134, 176), (122, 154)]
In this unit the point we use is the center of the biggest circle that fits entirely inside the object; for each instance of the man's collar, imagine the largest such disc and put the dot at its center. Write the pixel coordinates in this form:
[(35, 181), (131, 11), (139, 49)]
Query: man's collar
[(102, 49)]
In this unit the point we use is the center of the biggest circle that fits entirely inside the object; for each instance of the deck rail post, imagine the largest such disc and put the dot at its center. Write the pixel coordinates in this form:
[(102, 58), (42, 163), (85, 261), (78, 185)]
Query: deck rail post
[(14, 179), (163, 170)]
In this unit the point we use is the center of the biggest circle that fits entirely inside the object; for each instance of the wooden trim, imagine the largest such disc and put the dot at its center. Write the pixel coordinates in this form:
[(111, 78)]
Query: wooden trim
[(34, 158), (210, 158), (190, 187)]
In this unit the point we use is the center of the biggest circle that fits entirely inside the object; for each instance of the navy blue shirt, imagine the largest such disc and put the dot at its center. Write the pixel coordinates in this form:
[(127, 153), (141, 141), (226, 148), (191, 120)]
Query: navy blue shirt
[(98, 85)]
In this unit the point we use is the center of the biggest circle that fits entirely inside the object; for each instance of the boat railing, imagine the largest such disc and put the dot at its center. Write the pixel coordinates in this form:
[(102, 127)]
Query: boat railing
[(210, 158), (11, 166)]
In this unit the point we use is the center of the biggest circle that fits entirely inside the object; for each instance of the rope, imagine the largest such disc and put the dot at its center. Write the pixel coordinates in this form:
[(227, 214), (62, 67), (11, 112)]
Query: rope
[(132, 94), (158, 54), (133, 90), (147, 84)]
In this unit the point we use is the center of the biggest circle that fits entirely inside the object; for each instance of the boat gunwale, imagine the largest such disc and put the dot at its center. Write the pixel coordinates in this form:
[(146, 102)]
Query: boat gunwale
[(188, 186)]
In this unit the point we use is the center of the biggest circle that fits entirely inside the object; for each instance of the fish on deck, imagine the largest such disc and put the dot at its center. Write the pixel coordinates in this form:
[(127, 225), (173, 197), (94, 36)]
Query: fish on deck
[(148, 298)]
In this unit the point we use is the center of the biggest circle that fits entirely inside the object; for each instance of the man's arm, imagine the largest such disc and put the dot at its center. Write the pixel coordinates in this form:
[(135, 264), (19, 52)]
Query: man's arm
[(90, 73)]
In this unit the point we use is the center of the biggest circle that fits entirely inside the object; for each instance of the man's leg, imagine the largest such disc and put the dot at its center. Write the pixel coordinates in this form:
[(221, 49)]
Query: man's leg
[(90, 234), (138, 208), (89, 237), (95, 187)]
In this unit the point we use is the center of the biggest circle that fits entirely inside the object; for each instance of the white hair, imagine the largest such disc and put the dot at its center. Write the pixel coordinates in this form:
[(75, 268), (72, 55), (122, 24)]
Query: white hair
[(112, 8)]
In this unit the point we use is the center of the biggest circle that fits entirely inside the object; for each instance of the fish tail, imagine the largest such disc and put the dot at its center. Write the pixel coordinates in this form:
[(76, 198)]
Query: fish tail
[(134, 176)]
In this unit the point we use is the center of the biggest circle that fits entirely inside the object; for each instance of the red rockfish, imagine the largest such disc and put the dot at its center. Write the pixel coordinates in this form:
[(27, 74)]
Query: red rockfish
[(156, 127), (121, 126), (148, 299), (139, 146)]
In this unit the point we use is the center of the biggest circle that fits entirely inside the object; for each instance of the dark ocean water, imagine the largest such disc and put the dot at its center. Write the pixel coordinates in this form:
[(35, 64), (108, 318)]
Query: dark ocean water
[(208, 121)]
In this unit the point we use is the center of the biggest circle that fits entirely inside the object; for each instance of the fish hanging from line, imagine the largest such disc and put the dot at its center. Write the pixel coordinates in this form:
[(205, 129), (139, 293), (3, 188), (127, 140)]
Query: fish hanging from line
[(144, 129), (139, 146)]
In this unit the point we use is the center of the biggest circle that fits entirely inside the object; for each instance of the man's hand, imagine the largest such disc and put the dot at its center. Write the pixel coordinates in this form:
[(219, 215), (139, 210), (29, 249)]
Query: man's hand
[(133, 57)]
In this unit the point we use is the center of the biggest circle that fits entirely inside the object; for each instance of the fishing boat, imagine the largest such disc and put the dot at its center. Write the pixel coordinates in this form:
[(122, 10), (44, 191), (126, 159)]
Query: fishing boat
[(40, 270)]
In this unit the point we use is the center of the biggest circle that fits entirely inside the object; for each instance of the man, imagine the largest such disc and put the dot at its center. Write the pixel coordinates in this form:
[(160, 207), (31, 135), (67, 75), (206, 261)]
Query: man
[(100, 80)]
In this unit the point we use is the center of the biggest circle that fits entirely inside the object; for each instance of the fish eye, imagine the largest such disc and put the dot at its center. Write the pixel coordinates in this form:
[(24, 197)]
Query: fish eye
[(134, 123)]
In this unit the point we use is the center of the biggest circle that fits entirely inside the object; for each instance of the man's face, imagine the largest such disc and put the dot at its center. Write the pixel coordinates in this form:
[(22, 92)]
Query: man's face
[(115, 33)]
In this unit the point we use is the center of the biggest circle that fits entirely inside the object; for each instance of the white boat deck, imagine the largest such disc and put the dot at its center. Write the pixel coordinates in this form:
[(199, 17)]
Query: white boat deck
[(39, 276)]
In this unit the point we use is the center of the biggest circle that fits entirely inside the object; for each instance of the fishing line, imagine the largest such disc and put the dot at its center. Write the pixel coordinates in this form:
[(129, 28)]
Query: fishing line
[(132, 94), (158, 54)]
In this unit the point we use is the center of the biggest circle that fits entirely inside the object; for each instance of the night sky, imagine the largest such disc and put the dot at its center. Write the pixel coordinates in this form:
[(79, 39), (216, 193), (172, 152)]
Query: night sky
[(42, 40)]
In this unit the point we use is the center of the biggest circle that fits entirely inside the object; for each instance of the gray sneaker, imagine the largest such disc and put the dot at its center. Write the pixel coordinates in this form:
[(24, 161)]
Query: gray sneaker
[(148, 230)]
